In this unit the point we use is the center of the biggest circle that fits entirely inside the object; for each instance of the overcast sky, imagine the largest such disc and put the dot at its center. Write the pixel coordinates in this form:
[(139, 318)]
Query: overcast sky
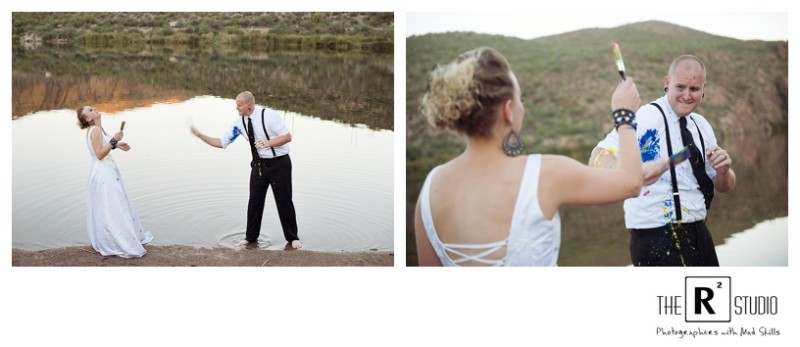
[(768, 26)]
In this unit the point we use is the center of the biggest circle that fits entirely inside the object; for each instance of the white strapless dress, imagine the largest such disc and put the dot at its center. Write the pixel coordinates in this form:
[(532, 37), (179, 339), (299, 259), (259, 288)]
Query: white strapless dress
[(113, 225)]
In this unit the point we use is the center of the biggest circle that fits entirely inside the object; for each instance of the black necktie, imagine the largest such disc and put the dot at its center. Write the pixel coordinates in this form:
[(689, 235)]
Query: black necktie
[(252, 138), (698, 164)]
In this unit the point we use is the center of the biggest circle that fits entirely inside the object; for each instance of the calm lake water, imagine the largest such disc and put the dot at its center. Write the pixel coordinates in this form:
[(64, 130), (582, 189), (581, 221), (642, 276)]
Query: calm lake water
[(186, 192), (763, 245)]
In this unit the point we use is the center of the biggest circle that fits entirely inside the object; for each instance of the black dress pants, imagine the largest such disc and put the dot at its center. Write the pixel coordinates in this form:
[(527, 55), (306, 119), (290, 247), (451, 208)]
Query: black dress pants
[(681, 244), (275, 172)]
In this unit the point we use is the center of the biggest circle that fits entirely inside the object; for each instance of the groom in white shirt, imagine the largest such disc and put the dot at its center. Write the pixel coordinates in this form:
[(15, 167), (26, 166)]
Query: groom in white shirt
[(269, 138)]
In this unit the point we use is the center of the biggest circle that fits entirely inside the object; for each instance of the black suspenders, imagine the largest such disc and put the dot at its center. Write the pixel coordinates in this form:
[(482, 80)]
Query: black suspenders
[(273, 148), (265, 130), (675, 196)]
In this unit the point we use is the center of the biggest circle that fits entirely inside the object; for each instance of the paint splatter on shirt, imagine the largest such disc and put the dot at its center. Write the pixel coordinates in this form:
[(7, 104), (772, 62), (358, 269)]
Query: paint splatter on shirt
[(234, 135), (667, 209), (649, 145)]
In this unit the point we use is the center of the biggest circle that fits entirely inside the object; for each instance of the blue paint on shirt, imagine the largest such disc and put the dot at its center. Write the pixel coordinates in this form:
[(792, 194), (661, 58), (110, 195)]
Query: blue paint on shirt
[(235, 134), (649, 145), (668, 210)]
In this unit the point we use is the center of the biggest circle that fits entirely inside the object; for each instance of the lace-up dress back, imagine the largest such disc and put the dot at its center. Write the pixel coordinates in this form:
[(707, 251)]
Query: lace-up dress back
[(532, 239)]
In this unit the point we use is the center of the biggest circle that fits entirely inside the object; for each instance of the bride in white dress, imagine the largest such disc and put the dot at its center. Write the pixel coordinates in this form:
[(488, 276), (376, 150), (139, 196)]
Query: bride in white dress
[(492, 205), (113, 225)]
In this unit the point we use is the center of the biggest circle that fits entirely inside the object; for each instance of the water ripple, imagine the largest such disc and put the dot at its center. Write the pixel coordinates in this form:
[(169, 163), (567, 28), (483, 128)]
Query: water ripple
[(186, 192)]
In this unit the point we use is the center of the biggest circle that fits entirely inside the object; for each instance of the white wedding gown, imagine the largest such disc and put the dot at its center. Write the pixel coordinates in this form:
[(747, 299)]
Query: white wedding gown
[(113, 225)]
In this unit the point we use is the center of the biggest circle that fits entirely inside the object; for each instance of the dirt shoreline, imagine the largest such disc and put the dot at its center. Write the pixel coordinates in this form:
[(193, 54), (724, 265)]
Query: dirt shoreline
[(182, 255)]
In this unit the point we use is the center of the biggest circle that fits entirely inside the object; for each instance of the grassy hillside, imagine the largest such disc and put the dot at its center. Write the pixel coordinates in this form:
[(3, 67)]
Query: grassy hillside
[(318, 30), (567, 81)]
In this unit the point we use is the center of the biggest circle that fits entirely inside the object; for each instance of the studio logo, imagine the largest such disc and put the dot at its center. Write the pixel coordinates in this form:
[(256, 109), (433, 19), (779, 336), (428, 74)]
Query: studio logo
[(708, 299), (708, 305)]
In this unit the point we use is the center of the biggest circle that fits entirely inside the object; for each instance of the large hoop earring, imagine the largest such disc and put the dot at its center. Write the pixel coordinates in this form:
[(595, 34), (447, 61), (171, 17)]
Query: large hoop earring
[(512, 144)]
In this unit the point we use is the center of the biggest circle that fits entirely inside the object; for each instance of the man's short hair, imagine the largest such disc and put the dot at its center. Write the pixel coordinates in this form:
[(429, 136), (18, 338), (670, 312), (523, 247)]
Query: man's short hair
[(247, 97)]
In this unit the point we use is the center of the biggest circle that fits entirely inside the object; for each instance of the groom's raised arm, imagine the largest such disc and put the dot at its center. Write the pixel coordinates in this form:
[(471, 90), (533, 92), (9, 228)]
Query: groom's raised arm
[(211, 141)]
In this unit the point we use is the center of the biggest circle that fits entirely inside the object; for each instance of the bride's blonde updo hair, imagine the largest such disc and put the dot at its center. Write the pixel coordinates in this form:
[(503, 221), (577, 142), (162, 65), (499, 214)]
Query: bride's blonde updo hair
[(465, 94)]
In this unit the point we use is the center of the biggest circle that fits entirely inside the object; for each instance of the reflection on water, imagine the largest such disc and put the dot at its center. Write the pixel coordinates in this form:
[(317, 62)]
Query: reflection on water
[(596, 235), (339, 108), (763, 245), (352, 88), (187, 192), (44, 91)]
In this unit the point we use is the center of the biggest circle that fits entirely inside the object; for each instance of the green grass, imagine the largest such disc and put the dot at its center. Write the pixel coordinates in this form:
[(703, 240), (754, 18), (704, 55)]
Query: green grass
[(310, 30)]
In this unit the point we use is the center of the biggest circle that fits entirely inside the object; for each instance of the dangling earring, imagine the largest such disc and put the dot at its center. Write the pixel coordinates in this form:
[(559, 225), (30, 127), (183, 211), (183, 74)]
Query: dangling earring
[(665, 89), (512, 144)]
